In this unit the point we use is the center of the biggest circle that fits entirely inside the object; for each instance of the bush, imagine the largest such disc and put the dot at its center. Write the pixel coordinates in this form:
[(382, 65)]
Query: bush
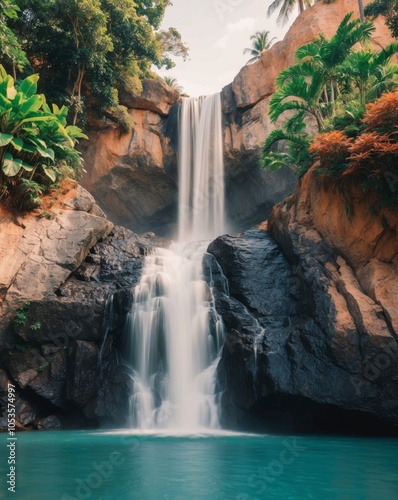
[(331, 150), (371, 159), (34, 139)]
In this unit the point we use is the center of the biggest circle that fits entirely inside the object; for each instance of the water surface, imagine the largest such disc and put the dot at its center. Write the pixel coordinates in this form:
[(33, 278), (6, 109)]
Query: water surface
[(115, 465)]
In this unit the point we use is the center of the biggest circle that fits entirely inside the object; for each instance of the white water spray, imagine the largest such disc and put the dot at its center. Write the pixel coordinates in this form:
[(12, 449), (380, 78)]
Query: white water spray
[(175, 332)]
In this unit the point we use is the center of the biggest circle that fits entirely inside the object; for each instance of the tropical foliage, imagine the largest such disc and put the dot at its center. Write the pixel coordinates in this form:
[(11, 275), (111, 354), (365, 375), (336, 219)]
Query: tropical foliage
[(286, 8), (173, 82), (35, 141), (10, 46), (327, 89), (260, 42), (86, 51), (370, 159)]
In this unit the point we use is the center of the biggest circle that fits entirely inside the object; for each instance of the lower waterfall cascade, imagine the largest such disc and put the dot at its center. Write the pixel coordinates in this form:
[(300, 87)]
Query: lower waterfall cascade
[(175, 334)]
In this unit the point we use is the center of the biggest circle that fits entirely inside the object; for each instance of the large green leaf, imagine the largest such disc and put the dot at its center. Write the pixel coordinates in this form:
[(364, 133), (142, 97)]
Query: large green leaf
[(38, 143), (5, 139), (75, 132), (29, 85), (29, 149), (5, 104), (31, 105), (17, 143), (50, 173), (34, 119), (3, 73), (11, 166), (27, 167), (46, 153), (17, 101)]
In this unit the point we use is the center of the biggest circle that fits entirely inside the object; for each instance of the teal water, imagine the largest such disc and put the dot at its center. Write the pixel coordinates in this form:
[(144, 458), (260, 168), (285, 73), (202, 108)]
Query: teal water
[(108, 466)]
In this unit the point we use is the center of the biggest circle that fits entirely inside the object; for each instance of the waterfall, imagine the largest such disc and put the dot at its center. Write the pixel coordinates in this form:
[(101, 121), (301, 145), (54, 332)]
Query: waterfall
[(201, 170), (175, 334)]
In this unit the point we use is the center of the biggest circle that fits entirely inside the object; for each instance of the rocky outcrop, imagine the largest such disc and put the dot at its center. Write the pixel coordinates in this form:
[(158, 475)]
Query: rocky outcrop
[(133, 175), (156, 97), (41, 250), (309, 344), (67, 277)]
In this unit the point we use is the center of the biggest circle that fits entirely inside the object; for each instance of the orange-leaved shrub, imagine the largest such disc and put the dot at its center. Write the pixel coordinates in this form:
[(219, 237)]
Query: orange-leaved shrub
[(331, 149), (371, 159)]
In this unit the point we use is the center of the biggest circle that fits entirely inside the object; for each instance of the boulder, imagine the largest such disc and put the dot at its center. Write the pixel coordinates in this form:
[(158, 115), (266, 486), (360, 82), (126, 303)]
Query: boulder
[(133, 175), (306, 348), (46, 248), (156, 96)]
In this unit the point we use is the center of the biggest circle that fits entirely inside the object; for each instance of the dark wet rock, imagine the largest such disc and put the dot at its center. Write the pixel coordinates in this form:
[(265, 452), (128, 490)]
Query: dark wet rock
[(48, 423), (301, 337)]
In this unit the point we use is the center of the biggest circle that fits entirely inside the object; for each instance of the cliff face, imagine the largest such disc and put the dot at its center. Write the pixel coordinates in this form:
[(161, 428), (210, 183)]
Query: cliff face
[(134, 175), (324, 355)]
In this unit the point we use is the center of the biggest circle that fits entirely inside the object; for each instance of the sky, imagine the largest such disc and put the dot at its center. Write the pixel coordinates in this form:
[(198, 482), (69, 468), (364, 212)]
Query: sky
[(216, 32)]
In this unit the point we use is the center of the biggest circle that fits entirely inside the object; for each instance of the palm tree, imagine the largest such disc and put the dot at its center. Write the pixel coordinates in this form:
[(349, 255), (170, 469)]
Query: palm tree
[(361, 10), (311, 86), (172, 82), (286, 8), (372, 73), (260, 43)]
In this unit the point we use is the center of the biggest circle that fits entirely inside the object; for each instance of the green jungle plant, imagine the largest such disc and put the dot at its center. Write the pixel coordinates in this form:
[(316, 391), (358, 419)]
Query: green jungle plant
[(22, 314), (34, 140)]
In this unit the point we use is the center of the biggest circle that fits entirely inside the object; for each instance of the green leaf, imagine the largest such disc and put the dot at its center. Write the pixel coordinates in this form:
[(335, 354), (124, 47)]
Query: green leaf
[(34, 119), (31, 105), (39, 143), (29, 85), (5, 103), (5, 139), (27, 167), (29, 149), (75, 132), (17, 143), (46, 153), (3, 73), (11, 166), (50, 173)]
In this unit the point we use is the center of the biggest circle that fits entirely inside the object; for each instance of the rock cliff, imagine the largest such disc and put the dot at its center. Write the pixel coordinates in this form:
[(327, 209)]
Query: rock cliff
[(312, 325)]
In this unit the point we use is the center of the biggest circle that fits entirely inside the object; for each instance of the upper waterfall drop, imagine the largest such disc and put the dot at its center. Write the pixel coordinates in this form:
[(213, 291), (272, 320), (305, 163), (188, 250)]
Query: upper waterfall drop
[(201, 169)]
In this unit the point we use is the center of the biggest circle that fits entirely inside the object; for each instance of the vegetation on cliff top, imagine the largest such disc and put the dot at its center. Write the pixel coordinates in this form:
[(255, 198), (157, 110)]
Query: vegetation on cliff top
[(329, 90), (86, 51), (36, 145)]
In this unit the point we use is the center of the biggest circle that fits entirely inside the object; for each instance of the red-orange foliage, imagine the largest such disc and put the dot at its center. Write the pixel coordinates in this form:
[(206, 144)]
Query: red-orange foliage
[(382, 114), (331, 149), (371, 153)]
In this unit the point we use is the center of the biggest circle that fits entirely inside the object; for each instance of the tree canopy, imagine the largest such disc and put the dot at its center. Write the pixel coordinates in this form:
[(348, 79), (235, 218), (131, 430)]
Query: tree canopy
[(86, 50)]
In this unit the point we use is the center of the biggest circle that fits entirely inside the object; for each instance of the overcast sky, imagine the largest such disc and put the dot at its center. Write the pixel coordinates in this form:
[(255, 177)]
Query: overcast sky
[(216, 32)]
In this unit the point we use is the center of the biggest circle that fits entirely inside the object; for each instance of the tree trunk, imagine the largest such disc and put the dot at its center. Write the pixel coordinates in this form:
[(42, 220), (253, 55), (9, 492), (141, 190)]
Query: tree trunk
[(77, 89), (301, 5), (361, 10)]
